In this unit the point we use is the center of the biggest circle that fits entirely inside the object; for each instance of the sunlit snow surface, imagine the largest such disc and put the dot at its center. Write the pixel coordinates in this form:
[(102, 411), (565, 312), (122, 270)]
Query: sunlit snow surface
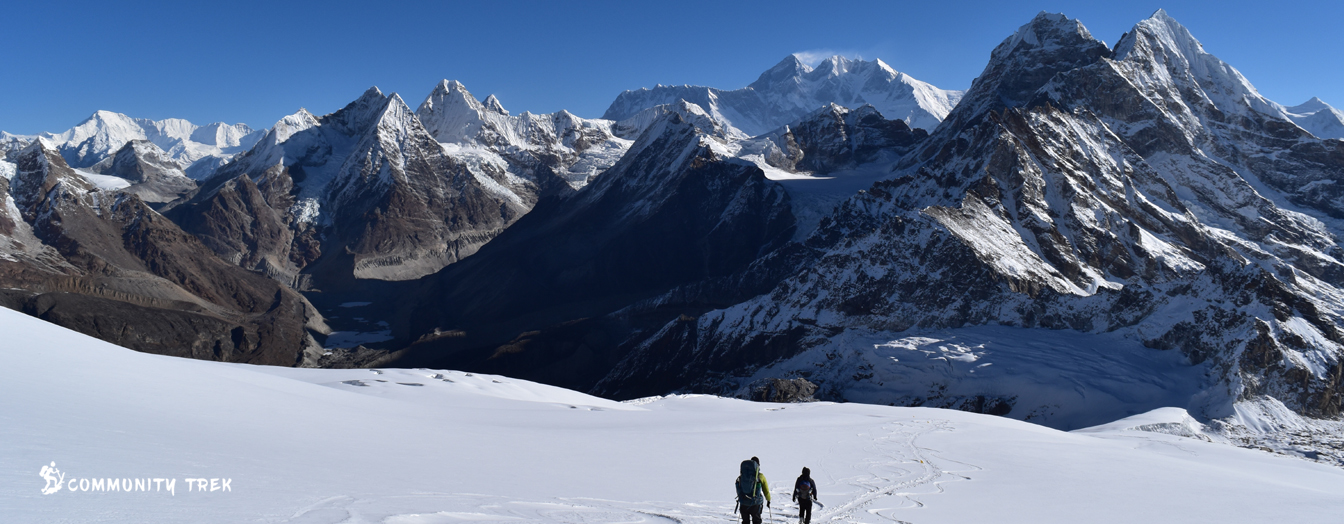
[(104, 182), (421, 446)]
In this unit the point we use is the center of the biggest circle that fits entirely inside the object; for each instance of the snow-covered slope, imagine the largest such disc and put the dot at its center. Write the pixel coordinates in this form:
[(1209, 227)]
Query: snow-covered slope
[(198, 150), (791, 90), (430, 446)]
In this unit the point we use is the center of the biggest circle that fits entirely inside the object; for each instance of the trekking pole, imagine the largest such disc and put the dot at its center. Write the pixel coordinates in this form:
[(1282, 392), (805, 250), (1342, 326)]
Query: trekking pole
[(772, 513)]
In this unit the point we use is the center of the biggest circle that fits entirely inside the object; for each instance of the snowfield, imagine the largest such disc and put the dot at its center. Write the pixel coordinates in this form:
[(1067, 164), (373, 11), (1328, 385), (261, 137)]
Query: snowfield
[(425, 446)]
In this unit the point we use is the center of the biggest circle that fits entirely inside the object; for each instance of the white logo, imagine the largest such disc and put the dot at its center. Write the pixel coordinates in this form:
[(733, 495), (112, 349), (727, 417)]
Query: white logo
[(54, 479)]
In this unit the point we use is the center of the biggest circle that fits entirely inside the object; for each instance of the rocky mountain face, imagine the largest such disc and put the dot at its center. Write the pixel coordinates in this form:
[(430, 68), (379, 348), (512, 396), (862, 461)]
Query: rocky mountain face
[(103, 263), (367, 185), (676, 209), (791, 90), (389, 194), (1145, 192), (153, 175), (834, 138)]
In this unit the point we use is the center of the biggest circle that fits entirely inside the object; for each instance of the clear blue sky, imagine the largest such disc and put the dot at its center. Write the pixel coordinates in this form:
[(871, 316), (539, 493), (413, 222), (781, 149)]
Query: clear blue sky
[(254, 62)]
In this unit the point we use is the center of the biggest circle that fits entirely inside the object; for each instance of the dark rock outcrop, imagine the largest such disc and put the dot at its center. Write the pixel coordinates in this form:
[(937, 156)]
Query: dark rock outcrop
[(782, 391)]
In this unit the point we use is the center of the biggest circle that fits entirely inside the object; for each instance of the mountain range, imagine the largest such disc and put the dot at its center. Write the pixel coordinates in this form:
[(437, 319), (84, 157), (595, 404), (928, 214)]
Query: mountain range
[(1166, 234)]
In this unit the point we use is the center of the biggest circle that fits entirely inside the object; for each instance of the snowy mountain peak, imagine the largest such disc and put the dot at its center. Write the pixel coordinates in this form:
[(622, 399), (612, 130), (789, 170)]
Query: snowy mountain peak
[(1310, 106), (1044, 31), (1174, 55), (1318, 118), (358, 116), (396, 112), (789, 67), (372, 93), (492, 104), (292, 124), (833, 66), (1161, 29), (451, 114), (1049, 44)]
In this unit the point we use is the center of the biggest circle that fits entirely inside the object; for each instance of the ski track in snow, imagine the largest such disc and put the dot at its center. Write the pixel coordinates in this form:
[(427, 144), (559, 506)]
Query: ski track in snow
[(899, 477)]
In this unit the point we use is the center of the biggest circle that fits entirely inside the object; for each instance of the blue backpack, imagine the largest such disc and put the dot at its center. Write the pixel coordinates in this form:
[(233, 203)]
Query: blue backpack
[(749, 485)]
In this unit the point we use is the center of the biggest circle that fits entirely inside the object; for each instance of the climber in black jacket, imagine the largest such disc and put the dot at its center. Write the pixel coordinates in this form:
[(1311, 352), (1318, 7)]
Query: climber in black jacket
[(804, 492)]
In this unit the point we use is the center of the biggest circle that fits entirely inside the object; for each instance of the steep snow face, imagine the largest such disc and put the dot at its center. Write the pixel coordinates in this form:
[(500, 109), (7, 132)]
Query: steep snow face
[(451, 114), (478, 447), (520, 154), (853, 84), (791, 90), (1319, 118), (1163, 40), (1183, 63), (103, 134)]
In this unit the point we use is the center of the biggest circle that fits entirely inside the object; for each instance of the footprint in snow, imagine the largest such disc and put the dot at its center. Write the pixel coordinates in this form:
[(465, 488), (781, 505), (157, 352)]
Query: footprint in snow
[(410, 383), (355, 383)]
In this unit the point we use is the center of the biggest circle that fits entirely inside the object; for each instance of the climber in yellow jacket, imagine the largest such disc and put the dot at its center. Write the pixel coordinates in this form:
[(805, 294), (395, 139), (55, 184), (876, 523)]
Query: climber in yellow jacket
[(753, 491)]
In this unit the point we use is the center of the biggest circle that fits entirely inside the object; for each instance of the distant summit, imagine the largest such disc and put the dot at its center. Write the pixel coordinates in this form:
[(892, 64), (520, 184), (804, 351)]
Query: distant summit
[(791, 90)]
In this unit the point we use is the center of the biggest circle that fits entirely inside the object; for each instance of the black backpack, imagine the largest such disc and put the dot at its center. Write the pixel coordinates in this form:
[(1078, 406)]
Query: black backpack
[(749, 485)]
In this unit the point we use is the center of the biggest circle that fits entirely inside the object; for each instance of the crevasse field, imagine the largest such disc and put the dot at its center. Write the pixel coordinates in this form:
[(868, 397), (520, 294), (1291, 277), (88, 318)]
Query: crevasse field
[(424, 446)]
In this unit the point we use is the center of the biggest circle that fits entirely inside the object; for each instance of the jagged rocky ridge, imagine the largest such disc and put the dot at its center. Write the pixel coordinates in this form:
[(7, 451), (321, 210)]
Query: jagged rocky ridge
[(1146, 191)]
